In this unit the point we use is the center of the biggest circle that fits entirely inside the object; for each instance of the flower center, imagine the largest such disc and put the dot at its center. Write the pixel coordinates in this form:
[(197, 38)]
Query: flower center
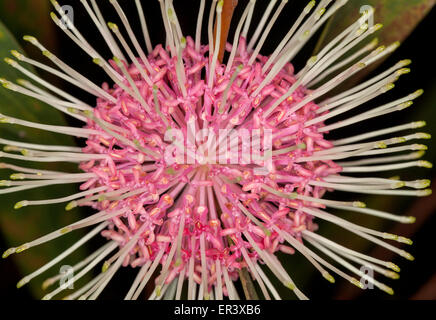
[(210, 167)]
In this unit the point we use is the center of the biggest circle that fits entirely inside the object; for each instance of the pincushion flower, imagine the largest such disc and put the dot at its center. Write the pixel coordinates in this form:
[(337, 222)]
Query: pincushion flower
[(199, 167)]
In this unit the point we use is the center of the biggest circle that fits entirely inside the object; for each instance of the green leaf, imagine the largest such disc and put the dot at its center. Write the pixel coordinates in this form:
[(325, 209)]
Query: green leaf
[(23, 15), (32, 222)]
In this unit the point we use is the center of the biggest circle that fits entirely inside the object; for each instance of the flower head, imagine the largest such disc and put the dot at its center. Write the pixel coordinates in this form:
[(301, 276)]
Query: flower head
[(199, 168)]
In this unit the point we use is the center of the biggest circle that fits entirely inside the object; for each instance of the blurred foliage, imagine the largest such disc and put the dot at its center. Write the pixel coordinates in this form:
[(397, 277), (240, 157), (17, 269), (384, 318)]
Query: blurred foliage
[(22, 16)]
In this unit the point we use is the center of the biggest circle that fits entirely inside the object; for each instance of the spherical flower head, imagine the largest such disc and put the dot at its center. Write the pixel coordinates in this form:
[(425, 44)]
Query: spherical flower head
[(201, 169), (212, 204)]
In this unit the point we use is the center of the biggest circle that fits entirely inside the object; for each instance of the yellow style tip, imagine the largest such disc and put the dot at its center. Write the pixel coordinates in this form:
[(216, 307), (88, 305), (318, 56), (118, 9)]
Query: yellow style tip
[(20, 204), (393, 266), (329, 277), (8, 252), (158, 291), (105, 267), (290, 286), (70, 206), (22, 283)]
